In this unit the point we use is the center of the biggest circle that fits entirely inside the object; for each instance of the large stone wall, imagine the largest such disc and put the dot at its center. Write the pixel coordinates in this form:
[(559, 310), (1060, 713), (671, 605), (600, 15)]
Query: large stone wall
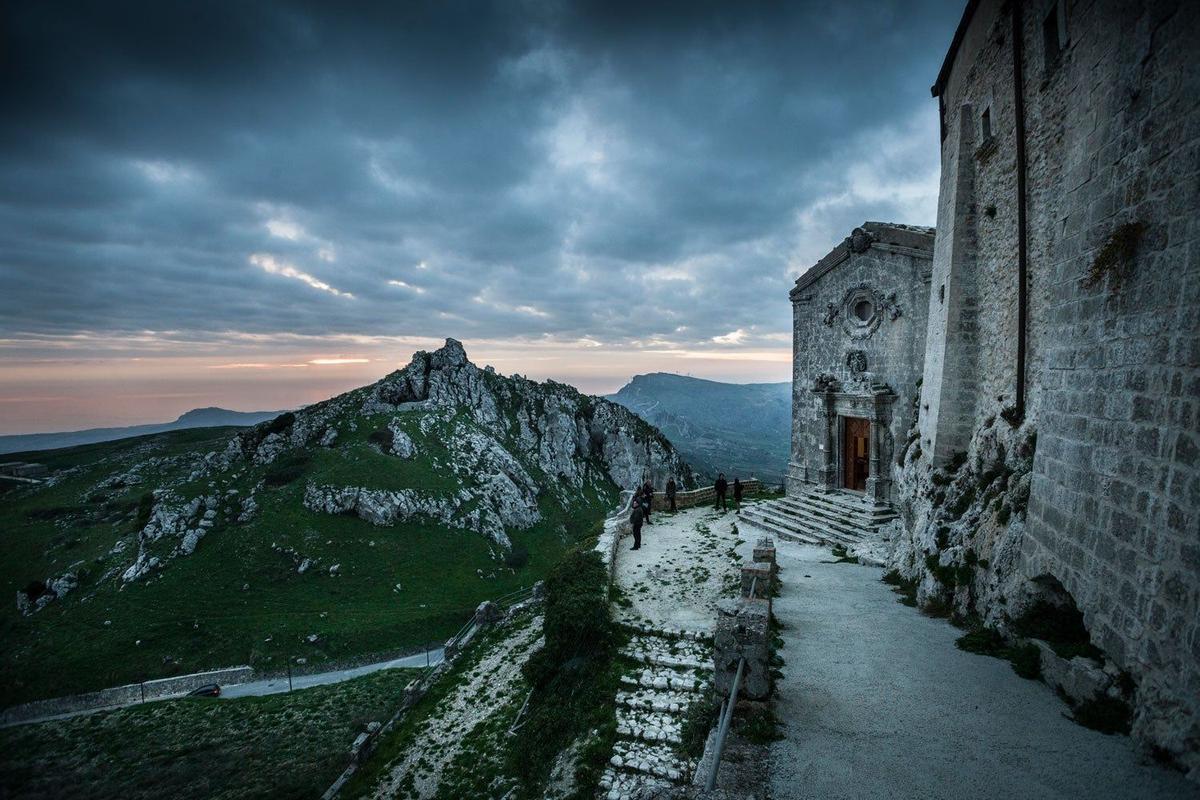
[(1113, 139), (893, 263)]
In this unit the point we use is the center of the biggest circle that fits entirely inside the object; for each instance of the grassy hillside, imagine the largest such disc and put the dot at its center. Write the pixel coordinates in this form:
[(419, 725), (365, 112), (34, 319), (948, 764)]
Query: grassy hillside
[(239, 598), (285, 745), (739, 429)]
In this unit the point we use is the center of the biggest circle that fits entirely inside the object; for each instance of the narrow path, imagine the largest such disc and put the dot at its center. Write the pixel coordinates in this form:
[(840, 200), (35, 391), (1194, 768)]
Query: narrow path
[(670, 587), (278, 685), (879, 703), (262, 687)]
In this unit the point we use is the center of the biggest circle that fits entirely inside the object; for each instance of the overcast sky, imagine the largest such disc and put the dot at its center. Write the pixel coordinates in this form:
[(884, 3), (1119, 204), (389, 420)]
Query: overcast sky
[(258, 204)]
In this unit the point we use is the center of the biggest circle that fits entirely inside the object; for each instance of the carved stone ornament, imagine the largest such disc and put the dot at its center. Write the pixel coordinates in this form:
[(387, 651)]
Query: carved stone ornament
[(856, 362), (826, 383), (859, 241), (861, 310)]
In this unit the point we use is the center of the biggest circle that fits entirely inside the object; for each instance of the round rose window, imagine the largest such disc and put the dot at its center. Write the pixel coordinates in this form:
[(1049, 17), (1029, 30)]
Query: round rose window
[(863, 310)]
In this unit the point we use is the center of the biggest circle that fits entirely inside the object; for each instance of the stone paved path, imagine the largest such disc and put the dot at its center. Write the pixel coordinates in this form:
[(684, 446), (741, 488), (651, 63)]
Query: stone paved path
[(686, 563), (879, 703)]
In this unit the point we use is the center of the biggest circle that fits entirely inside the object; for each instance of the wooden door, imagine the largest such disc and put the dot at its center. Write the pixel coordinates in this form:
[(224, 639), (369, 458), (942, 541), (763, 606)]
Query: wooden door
[(856, 459)]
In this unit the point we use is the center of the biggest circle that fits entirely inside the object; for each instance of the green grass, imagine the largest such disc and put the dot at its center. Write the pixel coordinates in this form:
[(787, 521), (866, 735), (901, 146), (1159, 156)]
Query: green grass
[(287, 745), (236, 600)]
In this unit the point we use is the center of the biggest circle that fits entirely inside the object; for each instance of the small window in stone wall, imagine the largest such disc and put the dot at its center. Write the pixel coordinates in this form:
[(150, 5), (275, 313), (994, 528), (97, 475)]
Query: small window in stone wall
[(1054, 34), (942, 293), (985, 124), (863, 310)]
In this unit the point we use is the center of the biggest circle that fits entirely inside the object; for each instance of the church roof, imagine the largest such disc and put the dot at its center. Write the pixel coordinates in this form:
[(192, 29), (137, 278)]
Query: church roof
[(916, 240)]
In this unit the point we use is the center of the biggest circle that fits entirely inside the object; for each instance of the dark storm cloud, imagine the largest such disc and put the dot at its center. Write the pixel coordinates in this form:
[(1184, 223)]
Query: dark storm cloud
[(617, 172)]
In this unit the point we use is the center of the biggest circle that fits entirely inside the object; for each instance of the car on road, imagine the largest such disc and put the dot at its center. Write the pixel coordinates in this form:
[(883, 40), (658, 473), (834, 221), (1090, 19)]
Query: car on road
[(211, 690)]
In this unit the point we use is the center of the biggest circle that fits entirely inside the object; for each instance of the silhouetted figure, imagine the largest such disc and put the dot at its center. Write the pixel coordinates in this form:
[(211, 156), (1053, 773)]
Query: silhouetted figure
[(647, 499), (721, 487), (671, 493), (737, 494), (635, 520)]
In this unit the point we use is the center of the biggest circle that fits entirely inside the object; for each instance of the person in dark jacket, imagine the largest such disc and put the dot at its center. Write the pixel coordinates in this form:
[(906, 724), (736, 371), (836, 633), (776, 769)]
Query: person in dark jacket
[(635, 520), (647, 499), (737, 494), (671, 493), (721, 487)]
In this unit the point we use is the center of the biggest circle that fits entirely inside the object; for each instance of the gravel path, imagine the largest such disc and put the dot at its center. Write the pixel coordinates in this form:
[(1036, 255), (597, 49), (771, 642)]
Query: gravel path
[(686, 563), (879, 703)]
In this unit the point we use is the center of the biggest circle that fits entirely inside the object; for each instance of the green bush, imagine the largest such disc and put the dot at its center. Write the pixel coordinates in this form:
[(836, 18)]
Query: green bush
[(1026, 661), (145, 507), (574, 675), (383, 438), (1105, 714), (286, 469), (517, 557)]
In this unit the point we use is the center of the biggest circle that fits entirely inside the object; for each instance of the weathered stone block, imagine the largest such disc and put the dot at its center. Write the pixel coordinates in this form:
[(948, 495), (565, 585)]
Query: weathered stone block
[(764, 550), (742, 632), (756, 579), (488, 613), (1079, 678)]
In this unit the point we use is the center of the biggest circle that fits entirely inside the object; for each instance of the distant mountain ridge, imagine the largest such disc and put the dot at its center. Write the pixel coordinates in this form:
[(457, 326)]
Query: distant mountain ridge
[(741, 429), (209, 417)]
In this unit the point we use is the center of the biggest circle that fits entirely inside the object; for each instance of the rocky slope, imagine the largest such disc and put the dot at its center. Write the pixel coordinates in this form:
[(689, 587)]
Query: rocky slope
[(372, 520), (739, 429)]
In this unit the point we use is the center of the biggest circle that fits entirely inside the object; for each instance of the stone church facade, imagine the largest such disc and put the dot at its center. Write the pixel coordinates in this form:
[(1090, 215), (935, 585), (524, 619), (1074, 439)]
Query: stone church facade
[(858, 344), (1023, 388)]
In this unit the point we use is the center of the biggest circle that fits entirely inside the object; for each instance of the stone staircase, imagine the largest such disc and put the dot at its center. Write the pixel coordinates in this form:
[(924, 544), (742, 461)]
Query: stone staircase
[(673, 670), (819, 517)]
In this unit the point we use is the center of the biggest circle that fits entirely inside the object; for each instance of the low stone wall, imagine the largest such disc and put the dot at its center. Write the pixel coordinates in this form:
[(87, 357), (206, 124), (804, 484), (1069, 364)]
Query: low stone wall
[(616, 527), (129, 694), (701, 497)]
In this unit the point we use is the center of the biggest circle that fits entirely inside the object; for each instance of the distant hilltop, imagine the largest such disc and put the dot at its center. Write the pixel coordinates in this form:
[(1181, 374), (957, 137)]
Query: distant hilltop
[(210, 417), (741, 429)]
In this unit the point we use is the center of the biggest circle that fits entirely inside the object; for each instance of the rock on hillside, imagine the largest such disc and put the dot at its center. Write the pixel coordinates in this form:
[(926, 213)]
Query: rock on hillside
[(440, 442)]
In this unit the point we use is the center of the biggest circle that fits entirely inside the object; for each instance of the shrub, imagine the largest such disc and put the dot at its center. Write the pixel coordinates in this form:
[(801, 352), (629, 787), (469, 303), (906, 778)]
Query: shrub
[(383, 438), (1105, 714), (697, 722), (286, 469), (145, 508), (1026, 661), (574, 675), (280, 424), (517, 557)]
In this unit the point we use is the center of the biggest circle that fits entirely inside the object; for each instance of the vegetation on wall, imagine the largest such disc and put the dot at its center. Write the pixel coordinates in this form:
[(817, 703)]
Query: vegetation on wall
[(1114, 261)]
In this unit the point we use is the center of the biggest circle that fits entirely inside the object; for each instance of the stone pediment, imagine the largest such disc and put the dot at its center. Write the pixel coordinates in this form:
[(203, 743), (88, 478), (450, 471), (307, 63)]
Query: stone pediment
[(914, 240)]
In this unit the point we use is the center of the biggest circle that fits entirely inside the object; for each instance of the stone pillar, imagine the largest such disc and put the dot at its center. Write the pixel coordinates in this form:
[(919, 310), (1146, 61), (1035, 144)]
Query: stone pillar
[(876, 481), (742, 632), (829, 470), (764, 550)]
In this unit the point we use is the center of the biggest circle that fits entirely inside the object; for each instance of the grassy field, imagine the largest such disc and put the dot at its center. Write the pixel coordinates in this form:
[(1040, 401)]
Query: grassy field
[(288, 745), (239, 598)]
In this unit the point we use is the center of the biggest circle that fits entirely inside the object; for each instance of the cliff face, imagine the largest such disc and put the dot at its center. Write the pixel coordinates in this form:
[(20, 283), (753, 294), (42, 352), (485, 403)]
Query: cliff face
[(473, 450)]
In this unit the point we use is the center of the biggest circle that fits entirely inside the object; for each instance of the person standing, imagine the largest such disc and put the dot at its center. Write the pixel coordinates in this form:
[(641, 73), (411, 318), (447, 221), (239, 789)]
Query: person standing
[(737, 494), (647, 499), (671, 493), (635, 521), (721, 487)]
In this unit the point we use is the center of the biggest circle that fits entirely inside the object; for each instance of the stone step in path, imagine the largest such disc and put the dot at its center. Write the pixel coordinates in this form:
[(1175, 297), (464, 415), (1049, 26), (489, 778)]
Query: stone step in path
[(674, 669), (819, 517)]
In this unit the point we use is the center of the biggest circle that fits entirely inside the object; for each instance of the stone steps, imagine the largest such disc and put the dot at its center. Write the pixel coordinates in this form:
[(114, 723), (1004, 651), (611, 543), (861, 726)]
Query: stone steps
[(655, 700), (654, 760), (674, 670), (820, 517), (649, 726)]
